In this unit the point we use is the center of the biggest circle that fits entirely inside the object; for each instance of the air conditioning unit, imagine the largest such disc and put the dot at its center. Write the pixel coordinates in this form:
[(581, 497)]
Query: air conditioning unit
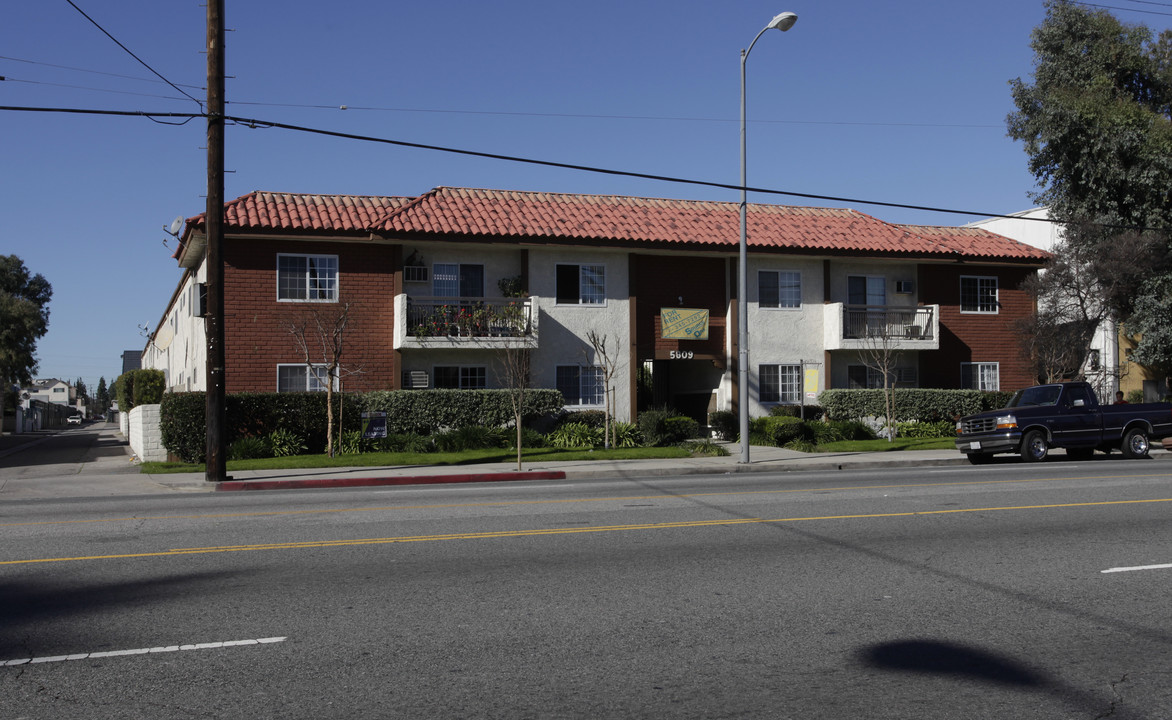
[(415, 273), (905, 287), (415, 380)]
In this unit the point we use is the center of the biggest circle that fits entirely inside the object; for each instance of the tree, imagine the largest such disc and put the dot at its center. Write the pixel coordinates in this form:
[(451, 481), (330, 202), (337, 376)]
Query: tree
[(515, 364), (880, 352), (319, 333), (1079, 289), (102, 396), (1097, 125), (24, 319), (609, 365)]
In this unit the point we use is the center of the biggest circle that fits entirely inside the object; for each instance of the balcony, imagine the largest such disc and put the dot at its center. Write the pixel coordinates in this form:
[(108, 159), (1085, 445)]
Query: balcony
[(901, 327), (474, 323)]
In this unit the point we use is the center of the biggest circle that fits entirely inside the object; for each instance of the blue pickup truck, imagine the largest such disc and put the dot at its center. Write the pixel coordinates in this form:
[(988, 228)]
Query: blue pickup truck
[(1063, 415)]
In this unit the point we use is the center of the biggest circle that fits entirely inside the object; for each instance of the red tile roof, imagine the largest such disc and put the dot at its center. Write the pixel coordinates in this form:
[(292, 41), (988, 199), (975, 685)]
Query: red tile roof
[(464, 213)]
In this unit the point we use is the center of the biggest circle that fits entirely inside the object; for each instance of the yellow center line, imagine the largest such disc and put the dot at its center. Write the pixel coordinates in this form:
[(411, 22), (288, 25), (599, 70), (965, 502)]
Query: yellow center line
[(553, 501), (309, 544)]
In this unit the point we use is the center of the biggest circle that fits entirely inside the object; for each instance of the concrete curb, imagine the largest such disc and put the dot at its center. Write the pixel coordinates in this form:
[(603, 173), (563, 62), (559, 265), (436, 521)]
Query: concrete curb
[(237, 485)]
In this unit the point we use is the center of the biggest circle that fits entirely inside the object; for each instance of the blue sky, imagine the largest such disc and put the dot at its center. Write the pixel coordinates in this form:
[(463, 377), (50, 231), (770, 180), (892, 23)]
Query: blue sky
[(876, 102)]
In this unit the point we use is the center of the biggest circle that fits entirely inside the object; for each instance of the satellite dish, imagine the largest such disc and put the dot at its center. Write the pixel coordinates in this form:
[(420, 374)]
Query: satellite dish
[(176, 226)]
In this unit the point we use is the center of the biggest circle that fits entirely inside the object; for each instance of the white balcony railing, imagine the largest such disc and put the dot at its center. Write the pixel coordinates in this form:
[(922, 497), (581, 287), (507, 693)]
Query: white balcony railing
[(856, 327), (453, 322)]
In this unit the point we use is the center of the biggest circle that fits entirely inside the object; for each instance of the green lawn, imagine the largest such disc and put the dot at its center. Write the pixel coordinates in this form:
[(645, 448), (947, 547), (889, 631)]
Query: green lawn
[(885, 446), (468, 457)]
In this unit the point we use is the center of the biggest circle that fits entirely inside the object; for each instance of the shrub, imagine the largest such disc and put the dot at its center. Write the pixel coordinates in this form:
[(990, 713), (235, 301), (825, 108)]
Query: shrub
[(405, 443), (705, 447), (351, 442), (851, 430), (247, 448), (925, 405), (472, 437), (593, 418), (575, 435), (285, 442), (778, 430), (725, 423), (149, 386), (530, 438), (626, 434), (681, 428), (940, 429)]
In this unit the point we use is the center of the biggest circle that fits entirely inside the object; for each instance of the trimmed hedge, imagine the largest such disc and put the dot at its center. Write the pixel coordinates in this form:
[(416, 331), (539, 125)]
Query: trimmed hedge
[(418, 412), (924, 405), (139, 387)]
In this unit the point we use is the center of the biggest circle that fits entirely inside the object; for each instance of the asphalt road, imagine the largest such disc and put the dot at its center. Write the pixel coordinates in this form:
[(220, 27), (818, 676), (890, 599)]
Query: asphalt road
[(1010, 591)]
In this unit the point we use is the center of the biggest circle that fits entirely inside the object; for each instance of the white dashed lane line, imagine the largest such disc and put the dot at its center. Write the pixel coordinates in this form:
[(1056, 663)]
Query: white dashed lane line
[(142, 651), (1137, 567)]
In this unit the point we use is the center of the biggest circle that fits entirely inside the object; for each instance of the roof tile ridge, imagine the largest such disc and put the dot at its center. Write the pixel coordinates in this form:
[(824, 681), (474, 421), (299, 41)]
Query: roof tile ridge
[(381, 221)]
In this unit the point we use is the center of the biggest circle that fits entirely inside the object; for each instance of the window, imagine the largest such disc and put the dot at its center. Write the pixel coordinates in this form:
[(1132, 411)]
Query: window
[(454, 377), (978, 294), (862, 377), (980, 376), (866, 290), (297, 378), (580, 385), (312, 278), (581, 284), (779, 288), (780, 383), (457, 280)]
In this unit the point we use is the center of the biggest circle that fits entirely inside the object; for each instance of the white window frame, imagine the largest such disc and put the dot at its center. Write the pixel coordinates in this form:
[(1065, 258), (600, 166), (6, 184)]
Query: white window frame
[(782, 303), (590, 377), (985, 375), (789, 389), (582, 300), (465, 377), (312, 384), (981, 308), (331, 262)]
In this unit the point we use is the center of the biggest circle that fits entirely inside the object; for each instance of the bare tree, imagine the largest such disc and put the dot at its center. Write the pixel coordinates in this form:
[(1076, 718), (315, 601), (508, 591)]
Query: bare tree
[(1080, 288), (609, 365), (514, 363), (319, 333), (880, 352)]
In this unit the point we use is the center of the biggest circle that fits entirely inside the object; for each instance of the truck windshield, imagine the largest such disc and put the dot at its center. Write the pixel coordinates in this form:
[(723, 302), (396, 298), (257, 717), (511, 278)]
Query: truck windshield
[(1041, 395)]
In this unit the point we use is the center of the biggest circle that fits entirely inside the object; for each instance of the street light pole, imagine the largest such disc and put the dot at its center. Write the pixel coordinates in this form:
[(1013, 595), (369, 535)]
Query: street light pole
[(782, 22)]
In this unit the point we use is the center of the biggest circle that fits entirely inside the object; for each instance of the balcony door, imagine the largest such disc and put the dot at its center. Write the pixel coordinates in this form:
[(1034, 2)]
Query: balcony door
[(869, 291), (461, 280)]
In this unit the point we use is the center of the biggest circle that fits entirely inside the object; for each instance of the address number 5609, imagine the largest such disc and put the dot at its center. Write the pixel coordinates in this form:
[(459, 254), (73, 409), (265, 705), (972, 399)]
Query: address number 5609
[(680, 354)]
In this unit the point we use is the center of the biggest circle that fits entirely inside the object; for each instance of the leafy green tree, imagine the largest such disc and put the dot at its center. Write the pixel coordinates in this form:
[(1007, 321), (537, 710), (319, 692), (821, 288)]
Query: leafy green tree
[(1097, 126), (24, 319), (102, 396)]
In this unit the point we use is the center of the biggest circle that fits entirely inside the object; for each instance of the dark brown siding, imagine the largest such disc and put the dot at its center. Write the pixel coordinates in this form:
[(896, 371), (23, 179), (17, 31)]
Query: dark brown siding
[(973, 337), (661, 281)]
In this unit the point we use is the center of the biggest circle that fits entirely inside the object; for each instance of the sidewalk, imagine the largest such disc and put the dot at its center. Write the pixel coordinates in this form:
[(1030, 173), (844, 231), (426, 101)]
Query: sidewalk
[(762, 459)]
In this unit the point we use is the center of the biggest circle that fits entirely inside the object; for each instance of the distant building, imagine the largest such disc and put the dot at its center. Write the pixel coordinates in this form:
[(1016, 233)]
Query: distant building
[(52, 390), (131, 360)]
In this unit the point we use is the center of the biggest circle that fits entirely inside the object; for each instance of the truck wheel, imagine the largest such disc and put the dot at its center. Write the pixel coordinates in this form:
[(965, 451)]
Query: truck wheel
[(979, 458), (1135, 444), (1034, 446)]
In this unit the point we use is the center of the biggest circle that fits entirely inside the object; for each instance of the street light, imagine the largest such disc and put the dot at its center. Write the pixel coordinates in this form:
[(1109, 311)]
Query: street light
[(782, 22)]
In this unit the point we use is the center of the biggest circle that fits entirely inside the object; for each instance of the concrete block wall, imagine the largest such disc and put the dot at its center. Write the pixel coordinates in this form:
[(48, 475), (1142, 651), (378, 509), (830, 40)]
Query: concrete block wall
[(145, 435)]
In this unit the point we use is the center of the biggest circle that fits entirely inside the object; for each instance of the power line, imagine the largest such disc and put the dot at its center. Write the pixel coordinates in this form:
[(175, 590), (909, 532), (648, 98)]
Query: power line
[(256, 123), (131, 54), (91, 71)]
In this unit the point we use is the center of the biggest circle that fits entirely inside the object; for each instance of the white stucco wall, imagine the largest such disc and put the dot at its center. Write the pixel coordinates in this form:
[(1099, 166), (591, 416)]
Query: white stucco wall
[(145, 435)]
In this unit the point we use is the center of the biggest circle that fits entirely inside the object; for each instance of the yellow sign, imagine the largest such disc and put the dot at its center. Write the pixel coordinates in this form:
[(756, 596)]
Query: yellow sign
[(811, 383), (683, 324)]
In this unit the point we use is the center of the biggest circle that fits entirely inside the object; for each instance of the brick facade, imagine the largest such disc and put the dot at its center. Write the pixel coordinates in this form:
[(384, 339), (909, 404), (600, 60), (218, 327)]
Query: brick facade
[(254, 340)]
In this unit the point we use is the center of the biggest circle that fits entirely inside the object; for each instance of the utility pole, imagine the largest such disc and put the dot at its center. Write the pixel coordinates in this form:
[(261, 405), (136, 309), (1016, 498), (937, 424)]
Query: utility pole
[(214, 225)]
